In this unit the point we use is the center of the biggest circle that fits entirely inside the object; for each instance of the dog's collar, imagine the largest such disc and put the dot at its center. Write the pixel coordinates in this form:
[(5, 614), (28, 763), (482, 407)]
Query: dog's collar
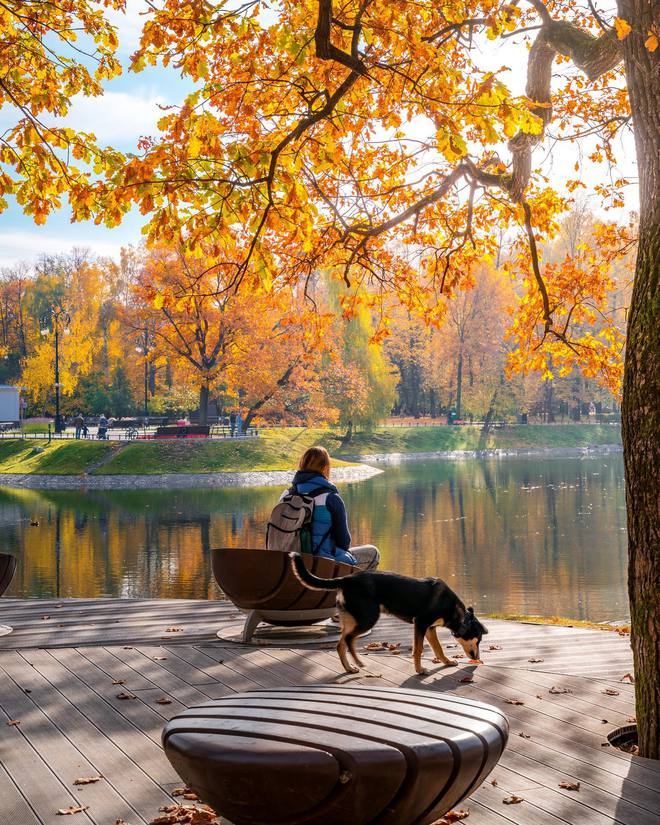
[(464, 626)]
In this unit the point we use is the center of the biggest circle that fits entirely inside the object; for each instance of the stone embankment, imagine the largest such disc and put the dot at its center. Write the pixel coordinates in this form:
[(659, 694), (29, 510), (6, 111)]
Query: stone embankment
[(174, 481)]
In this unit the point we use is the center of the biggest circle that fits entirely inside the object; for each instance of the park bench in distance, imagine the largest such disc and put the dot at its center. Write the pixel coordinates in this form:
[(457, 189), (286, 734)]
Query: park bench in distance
[(335, 754), (262, 583), (7, 570)]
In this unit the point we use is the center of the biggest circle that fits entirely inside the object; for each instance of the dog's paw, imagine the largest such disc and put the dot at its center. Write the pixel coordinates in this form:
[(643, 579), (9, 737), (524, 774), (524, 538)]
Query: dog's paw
[(422, 672), (352, 669), (445, 662)]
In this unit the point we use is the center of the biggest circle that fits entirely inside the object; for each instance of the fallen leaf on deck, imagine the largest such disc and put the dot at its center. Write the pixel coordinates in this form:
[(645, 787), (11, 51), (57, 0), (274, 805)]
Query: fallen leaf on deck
[(539, 696), (167, 809), (467, 679), (13, 722), (458, 656), (126, 696), (610, 692), (604, 721), (119, 681), (45, 617), (493, 782), (514, 702), (163, 701), (605, 744), (173, 629), (453, 816), (373, 646), (72, 809), (127, 647), (87, 780), (395, 652), (570, 786), (556, 690), (524, 735), (186, 793), (632, 719), (159, 658), (513, 800), (190, 795), (373, 675), (535, 661), (394, 646), (628, 677)]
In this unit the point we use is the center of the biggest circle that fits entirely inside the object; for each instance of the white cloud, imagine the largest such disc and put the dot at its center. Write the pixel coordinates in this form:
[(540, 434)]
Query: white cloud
[(27, 245), (116, 118), (129, 24)]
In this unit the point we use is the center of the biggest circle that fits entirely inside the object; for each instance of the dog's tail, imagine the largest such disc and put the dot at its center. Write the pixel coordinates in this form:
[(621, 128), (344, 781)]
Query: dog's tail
[(309, 579)]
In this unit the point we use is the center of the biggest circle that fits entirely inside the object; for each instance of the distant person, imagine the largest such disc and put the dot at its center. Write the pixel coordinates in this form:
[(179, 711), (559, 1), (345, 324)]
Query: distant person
[(330, 534), (103, 426), (239, 424), (232, 423), (79, 423)]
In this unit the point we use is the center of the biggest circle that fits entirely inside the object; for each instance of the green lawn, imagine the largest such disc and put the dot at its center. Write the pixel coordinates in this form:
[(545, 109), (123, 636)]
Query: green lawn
[(279, 449), (58, 457), (430, 439)]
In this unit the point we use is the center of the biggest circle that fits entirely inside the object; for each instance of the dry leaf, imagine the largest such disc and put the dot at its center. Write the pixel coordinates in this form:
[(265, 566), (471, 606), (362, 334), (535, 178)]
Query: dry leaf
[(570, 786), (166, 819), (610, 692), (628, 677), (604, 721), (72, 809), (127, 647), (119, 681), (13, 722), (453, 816), (395, 652), (126, 696), (45, 617), (632, 719), (494, 647), (513, 800), (524, 735), (605, 745), (163, 701), (87, 780), (373, 646), (535, 661), (173, 629), (514, 702), (167, 809), (539, 696), (159, 658), (493, 782), (556, 690)]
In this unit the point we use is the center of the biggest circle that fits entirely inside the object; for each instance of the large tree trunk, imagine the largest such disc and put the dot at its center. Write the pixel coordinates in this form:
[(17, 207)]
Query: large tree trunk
[(204, 403), (459, 383), (639, 410)]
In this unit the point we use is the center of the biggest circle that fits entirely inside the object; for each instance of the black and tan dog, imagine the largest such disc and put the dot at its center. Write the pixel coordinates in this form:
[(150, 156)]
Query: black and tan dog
[(424, 603)]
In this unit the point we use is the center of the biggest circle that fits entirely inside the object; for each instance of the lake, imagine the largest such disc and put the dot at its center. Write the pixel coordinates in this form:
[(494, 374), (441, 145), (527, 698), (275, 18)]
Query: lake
[(544, 536)]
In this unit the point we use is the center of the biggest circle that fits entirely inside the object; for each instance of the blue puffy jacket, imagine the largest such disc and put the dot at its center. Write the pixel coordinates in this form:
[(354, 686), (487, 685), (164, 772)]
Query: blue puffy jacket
[(330, 534)]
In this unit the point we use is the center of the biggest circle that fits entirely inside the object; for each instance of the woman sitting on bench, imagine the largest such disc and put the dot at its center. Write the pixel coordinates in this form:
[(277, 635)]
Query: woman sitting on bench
[(330, 534)]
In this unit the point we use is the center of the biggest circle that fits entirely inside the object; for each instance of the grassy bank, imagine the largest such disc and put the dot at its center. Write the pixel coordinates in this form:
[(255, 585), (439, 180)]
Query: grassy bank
[(278, 449)]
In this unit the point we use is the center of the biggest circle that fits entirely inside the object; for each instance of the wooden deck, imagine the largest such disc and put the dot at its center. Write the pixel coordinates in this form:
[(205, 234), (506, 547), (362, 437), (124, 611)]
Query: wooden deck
[(60, 672)]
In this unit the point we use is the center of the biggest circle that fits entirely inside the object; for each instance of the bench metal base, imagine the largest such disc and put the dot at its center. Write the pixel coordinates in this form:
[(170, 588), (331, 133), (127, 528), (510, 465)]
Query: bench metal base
[(280, 618)]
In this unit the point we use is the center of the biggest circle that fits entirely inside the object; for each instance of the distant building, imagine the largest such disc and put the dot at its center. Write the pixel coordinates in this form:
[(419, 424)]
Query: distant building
[(9, 404)]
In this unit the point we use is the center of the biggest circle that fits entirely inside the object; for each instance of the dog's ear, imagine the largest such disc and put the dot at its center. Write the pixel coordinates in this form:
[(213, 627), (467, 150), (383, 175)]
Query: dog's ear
[(484, 631)]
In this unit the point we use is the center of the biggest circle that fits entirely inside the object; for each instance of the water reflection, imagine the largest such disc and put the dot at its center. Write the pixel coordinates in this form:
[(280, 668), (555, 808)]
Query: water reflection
[(517, 535)]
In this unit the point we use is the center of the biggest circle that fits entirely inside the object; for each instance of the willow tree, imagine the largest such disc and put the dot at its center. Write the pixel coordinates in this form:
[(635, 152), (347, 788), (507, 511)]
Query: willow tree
[(374, 139)]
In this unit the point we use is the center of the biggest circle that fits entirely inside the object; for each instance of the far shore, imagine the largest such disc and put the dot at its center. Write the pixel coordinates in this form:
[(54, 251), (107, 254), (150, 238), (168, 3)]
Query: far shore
[(270, 458)]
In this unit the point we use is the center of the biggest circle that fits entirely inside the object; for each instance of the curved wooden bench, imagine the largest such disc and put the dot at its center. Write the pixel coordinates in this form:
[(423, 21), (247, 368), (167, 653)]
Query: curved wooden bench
[(7, 570), (340, 755), (262, 583)]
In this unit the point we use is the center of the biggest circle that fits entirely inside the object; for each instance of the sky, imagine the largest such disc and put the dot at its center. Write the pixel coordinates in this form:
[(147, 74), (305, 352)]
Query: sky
[(129, 110)]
